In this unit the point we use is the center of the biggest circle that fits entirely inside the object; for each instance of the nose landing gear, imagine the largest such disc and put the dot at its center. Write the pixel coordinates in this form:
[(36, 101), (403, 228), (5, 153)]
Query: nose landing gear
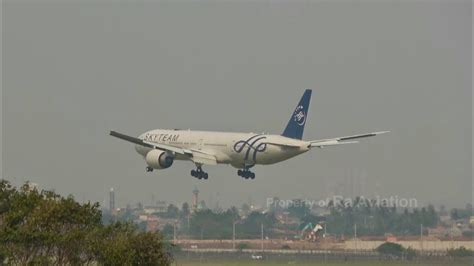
[(199, 173), (149, 169), (246, 173)]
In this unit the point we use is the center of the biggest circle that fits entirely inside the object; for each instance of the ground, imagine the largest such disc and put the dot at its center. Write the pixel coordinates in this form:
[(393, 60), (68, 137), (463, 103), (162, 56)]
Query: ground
[(259, 263)]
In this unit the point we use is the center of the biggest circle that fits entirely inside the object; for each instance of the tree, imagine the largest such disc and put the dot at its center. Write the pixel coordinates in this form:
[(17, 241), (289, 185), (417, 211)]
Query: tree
[(185, 216), (460, 252), (122, 244), (210, 224), (309, 218), (395, 251), (42, 227), (465, 213), (454, 214), (202, 205), (172, 212), (245, 209), (299, 209), (168, 231), (251, 226), (233, 212), (391, 249), (185, 210)]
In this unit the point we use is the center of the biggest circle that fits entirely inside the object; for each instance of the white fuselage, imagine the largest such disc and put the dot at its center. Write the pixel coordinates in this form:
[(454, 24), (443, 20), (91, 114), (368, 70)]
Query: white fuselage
[(238, 149)]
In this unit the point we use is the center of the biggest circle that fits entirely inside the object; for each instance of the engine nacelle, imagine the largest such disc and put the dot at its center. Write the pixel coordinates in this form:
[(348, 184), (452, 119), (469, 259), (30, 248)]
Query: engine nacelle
[(159, 159)]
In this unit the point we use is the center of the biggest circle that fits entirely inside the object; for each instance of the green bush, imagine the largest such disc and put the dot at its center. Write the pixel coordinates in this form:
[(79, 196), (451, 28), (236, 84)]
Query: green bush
[(460, 252), (410, 253), (242, 245), (396, 251)]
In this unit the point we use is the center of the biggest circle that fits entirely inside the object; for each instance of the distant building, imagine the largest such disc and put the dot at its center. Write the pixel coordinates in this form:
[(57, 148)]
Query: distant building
[(202, 205), (454, 232), (391, 239), (152, 224), (159, 207), (440, 232), (446, 219), (112, 200)]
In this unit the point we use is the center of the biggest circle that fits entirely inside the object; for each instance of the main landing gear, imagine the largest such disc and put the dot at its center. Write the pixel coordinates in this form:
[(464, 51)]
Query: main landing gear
[(149, 169), (246, 173), (199, 173)]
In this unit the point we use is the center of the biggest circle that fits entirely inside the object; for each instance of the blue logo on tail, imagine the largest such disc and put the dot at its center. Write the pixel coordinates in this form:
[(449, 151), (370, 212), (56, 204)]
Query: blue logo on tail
[(295, 127), (300, 116)]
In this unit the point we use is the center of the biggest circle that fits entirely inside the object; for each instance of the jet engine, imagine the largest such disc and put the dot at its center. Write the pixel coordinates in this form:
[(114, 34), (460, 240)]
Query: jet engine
[(159, 159)]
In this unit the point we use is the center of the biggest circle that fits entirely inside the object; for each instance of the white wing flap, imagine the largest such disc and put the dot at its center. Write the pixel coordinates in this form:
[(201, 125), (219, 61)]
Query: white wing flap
[(202, 158), (165, 147)]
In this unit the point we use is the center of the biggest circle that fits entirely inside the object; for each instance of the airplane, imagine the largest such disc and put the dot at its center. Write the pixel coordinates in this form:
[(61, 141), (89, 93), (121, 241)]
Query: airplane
[(161, 147)]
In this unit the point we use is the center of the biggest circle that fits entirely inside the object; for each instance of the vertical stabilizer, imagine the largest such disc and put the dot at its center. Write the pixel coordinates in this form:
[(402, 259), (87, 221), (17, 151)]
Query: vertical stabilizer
[(295, 127)]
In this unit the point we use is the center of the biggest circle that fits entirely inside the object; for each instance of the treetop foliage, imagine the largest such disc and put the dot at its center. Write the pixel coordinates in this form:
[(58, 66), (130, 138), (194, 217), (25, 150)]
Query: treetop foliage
[(42, 227)]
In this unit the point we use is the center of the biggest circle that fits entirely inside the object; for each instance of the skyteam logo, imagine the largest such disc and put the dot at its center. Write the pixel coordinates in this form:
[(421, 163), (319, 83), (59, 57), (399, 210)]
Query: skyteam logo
[(299, 115), (254, 144)]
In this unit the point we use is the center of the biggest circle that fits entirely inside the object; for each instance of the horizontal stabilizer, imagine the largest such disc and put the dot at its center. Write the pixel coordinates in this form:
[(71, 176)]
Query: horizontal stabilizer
[(331, 143), (343, 140)]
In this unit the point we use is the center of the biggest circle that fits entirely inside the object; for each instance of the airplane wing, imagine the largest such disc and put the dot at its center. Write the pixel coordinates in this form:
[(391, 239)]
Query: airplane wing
[(343, 140), (197, 156), (148, 144)]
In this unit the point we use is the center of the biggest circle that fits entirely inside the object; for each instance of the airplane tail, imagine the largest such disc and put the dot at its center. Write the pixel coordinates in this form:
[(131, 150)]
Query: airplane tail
[(295, 127)]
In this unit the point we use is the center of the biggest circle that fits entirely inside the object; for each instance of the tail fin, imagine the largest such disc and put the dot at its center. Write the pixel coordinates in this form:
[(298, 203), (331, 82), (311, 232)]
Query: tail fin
[(295, 126)]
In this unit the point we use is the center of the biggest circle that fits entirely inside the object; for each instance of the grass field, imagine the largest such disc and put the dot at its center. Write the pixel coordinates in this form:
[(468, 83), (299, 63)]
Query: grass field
[(267, 263)]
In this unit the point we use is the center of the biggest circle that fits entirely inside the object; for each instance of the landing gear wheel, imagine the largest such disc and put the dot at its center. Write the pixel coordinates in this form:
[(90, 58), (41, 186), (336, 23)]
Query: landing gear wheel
[(245, 173), (149, 169), (199, 173)]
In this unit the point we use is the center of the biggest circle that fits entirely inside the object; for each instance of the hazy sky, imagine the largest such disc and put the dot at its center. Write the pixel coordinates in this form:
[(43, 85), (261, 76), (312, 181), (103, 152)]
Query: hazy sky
[(73, 71)]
